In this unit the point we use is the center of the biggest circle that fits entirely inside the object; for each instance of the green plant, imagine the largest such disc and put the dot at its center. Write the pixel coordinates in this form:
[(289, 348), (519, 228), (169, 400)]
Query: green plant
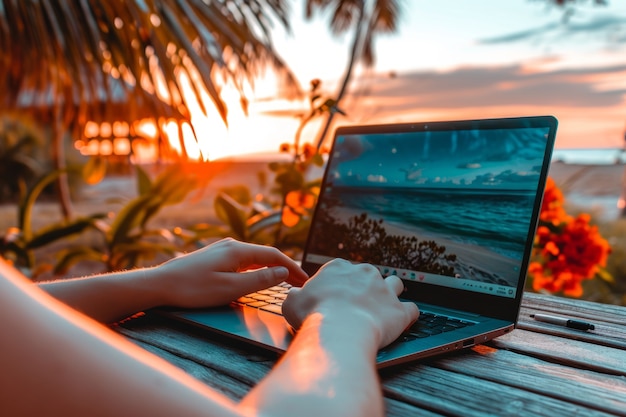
[(128, 239), (19, 242), (20, 165), (281, 218), (613, 292)]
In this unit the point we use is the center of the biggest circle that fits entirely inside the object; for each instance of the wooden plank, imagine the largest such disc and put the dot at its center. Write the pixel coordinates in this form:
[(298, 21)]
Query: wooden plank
[(592, 390), (395, 408), (609, 320), (601, 336), (209, 350), (451, 393), (205, 359), (434, 400), (233, 388), (516, 374), (568, 352), (587, 310)]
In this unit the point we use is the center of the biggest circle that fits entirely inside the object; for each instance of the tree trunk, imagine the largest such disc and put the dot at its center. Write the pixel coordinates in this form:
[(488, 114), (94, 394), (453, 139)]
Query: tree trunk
[(354, 53), (58, 149)]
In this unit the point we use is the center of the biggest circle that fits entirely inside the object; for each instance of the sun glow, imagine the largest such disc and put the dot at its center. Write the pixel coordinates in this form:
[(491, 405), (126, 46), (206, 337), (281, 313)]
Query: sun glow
[(205, 136), (243, 133)]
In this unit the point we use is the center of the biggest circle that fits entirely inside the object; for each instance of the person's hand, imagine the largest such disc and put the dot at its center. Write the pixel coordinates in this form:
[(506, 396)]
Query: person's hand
[(356, 291), (224, 271)]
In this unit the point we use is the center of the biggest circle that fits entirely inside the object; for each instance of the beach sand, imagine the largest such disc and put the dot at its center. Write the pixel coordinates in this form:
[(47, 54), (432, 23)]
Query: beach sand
[(594, 188)]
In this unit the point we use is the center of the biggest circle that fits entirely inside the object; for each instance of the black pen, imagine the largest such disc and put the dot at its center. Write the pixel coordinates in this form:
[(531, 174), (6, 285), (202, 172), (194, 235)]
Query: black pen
[(563, 321)]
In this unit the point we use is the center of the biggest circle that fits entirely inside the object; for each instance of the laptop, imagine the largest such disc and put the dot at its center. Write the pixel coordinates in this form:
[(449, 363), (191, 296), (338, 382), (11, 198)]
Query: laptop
[(450, 207)]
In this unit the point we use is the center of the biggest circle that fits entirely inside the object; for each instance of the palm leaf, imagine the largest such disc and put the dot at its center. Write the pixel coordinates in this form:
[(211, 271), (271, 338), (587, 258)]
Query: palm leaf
[(107, 60)]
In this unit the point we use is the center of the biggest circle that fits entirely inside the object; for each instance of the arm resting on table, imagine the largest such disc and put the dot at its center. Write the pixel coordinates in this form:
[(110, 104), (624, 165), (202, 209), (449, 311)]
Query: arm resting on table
[(58, 362)]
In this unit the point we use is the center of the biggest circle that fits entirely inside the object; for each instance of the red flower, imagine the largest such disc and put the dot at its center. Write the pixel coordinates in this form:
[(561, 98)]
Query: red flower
[(567, 249)]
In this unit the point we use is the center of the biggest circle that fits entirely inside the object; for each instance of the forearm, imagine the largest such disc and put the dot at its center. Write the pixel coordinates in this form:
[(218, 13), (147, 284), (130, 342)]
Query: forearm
[(109, 297), (56, 362), (208, 277), (328, 370)]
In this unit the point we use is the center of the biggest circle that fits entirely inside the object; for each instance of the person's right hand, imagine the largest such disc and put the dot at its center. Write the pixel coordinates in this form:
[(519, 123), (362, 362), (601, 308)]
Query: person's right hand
[(356, 291)]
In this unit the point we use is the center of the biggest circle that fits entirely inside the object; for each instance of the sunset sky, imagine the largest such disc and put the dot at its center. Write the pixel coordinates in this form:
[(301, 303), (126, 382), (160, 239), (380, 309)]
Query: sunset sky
[(460, 59)]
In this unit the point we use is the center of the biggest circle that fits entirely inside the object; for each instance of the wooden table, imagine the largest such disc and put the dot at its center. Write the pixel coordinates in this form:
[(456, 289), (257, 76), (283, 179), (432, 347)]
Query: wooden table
[(539, 369)]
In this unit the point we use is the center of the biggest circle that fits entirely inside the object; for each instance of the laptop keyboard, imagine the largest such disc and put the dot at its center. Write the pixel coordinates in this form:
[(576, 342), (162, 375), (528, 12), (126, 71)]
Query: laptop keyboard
[(430, 324), (270, 299)]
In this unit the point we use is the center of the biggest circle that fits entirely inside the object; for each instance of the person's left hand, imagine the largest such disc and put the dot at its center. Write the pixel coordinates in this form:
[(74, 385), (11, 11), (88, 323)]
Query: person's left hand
[(224, 271)]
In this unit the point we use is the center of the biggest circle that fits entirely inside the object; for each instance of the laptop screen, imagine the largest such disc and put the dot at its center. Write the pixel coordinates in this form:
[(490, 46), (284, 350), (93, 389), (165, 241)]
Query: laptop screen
[(446, 204)]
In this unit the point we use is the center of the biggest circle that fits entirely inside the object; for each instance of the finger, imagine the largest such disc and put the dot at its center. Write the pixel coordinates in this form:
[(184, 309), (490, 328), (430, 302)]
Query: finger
[(247, 282), (297, 279), (412, 311), (395, 284), (411, 315), (255, 256)]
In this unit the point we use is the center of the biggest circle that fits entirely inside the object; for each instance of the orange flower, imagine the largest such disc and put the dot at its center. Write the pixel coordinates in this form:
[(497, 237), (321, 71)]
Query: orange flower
[(552, 210), (308, 151), (567, 250), (297, 204)]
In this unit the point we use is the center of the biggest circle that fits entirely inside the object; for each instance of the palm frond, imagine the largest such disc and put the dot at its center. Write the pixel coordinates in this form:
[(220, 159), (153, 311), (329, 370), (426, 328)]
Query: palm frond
[(112, 60)]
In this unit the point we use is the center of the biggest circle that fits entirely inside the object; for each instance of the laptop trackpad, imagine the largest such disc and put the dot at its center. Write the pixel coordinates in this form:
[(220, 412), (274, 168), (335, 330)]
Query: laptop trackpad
[(261, 327)]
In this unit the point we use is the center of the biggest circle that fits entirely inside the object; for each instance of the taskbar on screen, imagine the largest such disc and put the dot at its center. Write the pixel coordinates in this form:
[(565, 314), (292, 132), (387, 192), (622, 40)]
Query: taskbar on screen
[(434, 279)]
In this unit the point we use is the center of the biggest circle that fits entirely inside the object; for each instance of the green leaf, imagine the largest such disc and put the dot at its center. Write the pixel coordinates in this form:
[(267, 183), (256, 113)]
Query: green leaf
[(318, 160), (73, 256), (144, 184), (228, 210), (94, 170), (174, 184), (26, 206), (264, 221), (129, 255), (131, 216), (274, 166), (240, 193), (605, 276), (290, 180), (314, 183)]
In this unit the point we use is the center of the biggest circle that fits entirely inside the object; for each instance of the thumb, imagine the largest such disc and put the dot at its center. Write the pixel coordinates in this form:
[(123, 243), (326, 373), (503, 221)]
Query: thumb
[(291, 312)]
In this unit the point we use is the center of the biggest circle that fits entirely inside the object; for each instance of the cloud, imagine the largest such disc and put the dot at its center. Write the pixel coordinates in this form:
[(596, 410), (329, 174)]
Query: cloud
[(376, 178), (523, 35), (512, 85), (603, 25)]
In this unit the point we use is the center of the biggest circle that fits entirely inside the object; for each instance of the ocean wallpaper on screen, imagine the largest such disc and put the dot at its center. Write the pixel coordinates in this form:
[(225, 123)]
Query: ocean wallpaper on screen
[(464, 199)]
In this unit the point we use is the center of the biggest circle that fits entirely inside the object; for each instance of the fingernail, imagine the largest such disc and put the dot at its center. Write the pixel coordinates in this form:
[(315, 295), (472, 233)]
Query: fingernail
[(281, 272)]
